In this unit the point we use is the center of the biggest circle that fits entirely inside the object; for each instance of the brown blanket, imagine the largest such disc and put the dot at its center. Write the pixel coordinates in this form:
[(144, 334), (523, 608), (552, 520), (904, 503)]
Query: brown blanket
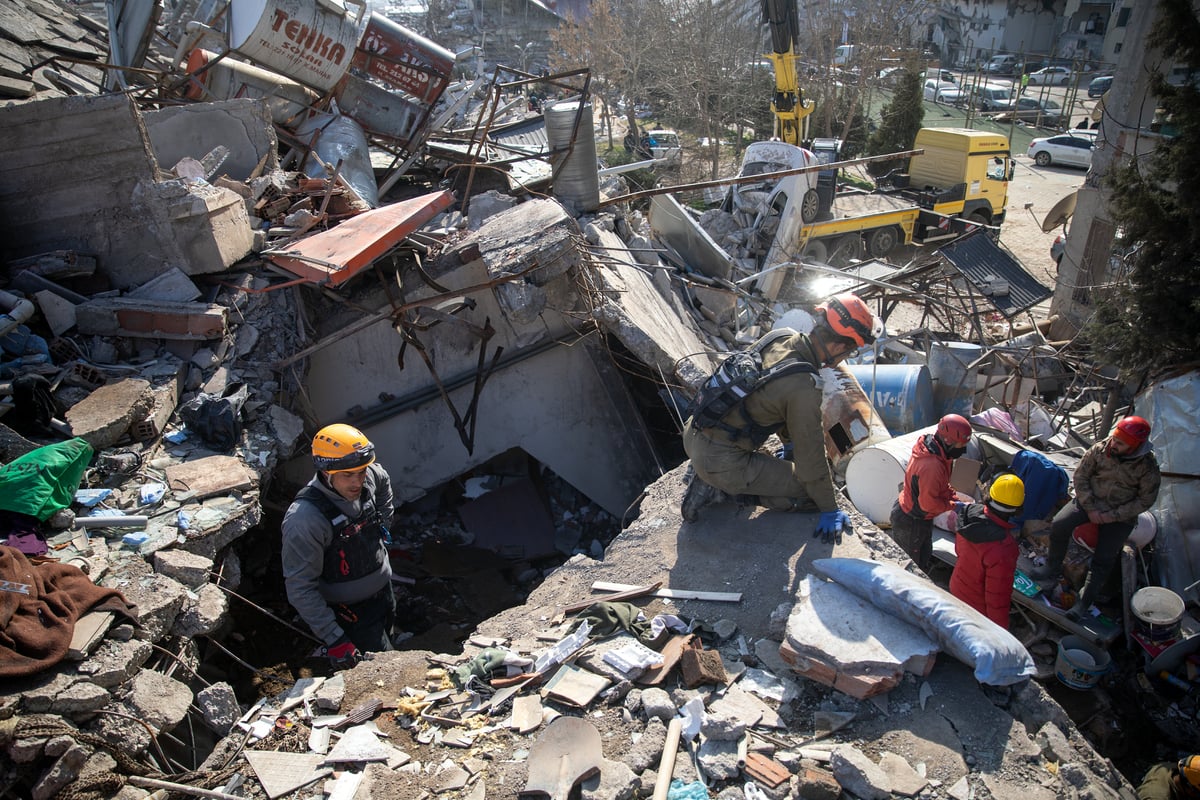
[(36, 628)]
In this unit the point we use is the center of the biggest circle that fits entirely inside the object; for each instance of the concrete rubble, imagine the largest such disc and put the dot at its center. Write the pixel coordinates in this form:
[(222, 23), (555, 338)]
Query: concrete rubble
[(190, 325)]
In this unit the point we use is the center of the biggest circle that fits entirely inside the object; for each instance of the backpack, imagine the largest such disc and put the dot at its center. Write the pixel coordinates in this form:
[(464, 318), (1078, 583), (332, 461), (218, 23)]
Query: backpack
[(736, 377)]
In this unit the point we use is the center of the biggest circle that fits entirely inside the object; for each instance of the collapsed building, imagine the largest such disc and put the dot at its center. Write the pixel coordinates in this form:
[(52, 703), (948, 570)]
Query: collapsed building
[(524, 364)]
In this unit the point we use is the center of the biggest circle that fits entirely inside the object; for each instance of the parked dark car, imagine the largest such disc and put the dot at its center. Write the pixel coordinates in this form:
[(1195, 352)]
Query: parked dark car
[(1099, 86)]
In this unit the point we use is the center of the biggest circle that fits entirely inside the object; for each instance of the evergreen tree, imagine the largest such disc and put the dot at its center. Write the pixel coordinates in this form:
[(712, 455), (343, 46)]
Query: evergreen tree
[(1149, 317), (901, 120)]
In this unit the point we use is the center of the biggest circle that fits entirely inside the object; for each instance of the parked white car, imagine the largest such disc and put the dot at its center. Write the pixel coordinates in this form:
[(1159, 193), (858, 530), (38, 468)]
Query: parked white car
[(942, 91), (1071, 149), (1050, 76)]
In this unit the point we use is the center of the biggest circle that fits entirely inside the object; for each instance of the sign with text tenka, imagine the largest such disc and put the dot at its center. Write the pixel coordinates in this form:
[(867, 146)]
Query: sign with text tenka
[(403, 59), (309, 41)]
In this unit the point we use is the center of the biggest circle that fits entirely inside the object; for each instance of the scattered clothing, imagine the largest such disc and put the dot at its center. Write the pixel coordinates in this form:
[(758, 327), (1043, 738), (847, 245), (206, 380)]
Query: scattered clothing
[(36, 628)]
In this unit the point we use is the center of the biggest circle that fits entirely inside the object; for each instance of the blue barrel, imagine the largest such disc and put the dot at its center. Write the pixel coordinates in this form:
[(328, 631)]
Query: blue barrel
[(901, 393)]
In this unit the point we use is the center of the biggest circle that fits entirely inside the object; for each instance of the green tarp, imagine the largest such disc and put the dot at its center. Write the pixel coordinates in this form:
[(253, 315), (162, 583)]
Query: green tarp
[(43, 481)]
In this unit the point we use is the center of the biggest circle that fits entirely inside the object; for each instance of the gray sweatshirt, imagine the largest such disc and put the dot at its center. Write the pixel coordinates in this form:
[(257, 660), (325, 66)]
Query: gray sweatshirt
[(306, 534)]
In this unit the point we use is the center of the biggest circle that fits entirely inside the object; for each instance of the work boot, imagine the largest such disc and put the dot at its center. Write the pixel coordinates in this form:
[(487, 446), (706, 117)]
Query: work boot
[(698, 495), (1045, 573)]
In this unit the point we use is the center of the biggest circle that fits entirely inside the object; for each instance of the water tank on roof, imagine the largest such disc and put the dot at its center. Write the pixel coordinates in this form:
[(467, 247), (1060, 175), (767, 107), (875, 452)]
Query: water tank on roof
[(576, 181)]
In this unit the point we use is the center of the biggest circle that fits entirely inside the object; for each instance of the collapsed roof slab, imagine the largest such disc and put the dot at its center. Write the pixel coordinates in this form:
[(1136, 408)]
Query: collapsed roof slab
[(80, 173), (242, 125), (836, 638), (554, 392)]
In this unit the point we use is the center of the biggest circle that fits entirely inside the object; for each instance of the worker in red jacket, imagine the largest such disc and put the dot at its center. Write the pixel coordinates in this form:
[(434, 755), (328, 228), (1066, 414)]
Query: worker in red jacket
[(986, 548), (926, 491)]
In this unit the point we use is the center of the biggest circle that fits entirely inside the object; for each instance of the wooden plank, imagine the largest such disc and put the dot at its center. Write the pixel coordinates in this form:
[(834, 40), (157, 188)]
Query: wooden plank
[(672, 651), (15, 87), (674, 594), (89, 632), (628, 594), (210, 476)]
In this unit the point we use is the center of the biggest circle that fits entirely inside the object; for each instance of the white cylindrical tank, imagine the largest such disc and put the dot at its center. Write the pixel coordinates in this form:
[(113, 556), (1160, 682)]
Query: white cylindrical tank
[(576, 180), (225, 79), (875, 472)]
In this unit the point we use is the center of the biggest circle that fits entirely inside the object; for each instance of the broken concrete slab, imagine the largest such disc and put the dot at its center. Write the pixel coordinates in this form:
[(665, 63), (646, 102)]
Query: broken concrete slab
[(117, 316), (209, 476), (838, 639), (172, 286), (111, 204), (159, 700), (58, 312), (242, 125), (189, 569), (105, 415)]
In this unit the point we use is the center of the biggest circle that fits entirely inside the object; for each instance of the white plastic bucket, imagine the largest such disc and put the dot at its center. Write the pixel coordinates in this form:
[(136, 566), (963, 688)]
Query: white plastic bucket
[(1080, 663), (1157, 612), (875, 473), (307, 40), (1144, 530)]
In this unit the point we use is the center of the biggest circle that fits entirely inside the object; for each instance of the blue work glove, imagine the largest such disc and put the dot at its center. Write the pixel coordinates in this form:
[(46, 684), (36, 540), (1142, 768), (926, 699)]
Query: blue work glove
[(343, 654), (829, 527)]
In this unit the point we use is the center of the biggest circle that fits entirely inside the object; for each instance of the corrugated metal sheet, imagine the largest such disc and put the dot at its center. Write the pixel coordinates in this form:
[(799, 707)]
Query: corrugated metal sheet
[(526, 136), (983, 263)]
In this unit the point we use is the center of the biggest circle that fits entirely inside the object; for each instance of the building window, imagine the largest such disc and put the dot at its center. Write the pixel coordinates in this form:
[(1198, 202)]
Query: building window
[(1116, 48), (1123, 17)]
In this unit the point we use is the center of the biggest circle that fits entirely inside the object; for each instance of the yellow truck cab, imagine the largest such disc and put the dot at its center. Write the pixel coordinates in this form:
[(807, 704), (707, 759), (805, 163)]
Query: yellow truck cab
[(962, 173)]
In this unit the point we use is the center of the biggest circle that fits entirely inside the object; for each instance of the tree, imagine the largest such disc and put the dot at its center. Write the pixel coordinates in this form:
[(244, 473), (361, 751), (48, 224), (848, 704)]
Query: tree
[(1149, 317), (901, 120)]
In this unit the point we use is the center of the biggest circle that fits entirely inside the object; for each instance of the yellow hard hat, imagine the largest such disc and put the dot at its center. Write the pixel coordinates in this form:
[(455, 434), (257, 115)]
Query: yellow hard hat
[(1189, 772), (1008, 491), (342, 448)]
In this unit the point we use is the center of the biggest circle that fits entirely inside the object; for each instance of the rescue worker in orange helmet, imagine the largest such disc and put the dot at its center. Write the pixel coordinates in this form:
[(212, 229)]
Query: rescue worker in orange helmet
[(335, 559), (926, 491), (725, 452), (1172, 780), (1117, 479)]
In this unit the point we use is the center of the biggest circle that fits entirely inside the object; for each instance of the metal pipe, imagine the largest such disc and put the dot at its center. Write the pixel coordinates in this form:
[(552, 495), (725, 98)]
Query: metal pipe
[(19, 310)]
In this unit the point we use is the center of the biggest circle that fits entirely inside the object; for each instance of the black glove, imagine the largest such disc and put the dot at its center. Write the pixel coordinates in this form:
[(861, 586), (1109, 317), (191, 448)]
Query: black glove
[(343, 654)]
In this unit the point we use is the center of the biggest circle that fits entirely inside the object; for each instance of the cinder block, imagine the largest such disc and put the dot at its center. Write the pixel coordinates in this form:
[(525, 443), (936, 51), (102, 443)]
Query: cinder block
[(701, 667)]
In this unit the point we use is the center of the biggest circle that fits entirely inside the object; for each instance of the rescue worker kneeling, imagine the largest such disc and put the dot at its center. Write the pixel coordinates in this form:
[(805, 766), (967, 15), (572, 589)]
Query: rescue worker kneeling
[(724, 446), (335, 560), (986, 548)]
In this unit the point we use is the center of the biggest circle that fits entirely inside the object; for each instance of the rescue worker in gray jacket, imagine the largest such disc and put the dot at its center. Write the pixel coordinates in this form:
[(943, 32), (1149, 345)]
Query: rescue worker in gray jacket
[(335, 559), (726, 455), (1117, 479)]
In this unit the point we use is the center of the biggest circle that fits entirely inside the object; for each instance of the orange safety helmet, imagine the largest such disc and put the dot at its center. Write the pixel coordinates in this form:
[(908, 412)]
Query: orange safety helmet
[(1189, 770), (342, 448), (848, 316), (1133, 431), (954, 430)]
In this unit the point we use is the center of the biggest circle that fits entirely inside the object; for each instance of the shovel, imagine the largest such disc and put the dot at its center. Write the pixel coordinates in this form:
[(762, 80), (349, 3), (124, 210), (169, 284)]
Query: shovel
[(567, 752)]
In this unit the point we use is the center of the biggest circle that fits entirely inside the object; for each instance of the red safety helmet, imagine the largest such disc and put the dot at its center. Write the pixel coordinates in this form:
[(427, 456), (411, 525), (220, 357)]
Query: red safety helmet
[(954, 430), (848, 316), (1133, 431)]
